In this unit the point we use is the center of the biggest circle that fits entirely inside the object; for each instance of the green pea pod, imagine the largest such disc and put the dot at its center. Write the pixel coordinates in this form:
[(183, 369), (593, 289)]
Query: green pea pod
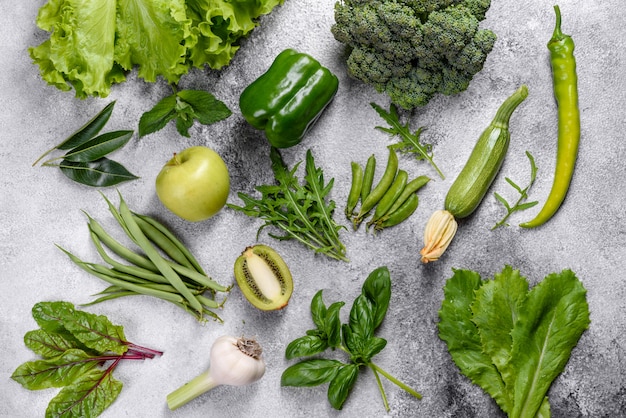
[(407, 209), (381, 188), (411, 187), (368, 177), (390, 197), (565, 84), (355, 189)]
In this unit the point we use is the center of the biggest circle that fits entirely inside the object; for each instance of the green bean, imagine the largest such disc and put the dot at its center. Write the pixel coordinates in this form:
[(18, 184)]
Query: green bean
[(194, 262), (390, 197), (162, 241), (199, 278), (118, 248), (401, 214), (209, 303), (155, 257), (368, 177), (411, 188), (383, 185), (355, 189), (123, 284)]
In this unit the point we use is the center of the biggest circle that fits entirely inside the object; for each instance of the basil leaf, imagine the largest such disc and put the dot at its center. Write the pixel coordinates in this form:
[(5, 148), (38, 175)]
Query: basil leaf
[(99, 173), (339, 388), (88, 397), (49, 344), (305, 346), (89, 130), (311, 372), (373, 346), (99, 146), (353, 342), (207, 109), (156, 118), (377, 288), (318, 310), (54, 372), (333, 324), (362, 317)]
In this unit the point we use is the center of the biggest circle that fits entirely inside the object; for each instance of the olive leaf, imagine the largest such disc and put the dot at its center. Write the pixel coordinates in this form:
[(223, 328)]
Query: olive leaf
[(85, 159), (186, 106)]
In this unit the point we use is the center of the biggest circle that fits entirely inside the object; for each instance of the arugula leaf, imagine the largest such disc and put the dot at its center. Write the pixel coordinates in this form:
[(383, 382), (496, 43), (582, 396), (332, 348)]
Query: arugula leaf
[(185, 106), (520, 204), (300, 211), (89, 396), (409, 142)]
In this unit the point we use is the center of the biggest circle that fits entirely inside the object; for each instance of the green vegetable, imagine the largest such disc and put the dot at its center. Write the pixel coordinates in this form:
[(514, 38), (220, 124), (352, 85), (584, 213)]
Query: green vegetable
[(404, 211), (414, 50), (391, 195), (85, 161), (356, 338), (185, 106), (355, 189), (74, 346), (93, 44), (380, 189), (520, 204), (368, 176), (164, 268), (472, 183), (409, 142), (300, 211), (288, 98), (511, 341), (565, 82)]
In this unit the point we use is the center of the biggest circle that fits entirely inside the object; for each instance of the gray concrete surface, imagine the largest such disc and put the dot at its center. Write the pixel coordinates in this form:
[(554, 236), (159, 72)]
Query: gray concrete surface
[(40, 207)]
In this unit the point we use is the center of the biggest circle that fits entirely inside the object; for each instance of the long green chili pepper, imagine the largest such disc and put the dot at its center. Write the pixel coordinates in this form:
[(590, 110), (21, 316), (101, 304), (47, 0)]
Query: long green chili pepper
[(565, 83)]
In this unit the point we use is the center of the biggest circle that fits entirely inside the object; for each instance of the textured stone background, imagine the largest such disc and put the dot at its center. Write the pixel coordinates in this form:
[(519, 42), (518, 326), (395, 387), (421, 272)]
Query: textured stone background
[(40, 207)]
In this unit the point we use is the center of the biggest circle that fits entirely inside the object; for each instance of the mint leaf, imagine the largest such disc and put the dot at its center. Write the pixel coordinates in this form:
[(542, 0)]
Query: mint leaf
[(185, 106)]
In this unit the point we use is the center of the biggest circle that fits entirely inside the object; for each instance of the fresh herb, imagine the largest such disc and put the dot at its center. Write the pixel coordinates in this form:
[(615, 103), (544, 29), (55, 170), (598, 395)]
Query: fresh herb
[(511, 341), (409, 142), (356, 338), (301, 211), (79, 353), (85, 160), (520, 204), (164, 268), (185, 106)]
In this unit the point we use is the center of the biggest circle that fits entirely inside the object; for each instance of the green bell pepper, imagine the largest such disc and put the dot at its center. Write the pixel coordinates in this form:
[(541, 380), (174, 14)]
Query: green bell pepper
[(288, 98)]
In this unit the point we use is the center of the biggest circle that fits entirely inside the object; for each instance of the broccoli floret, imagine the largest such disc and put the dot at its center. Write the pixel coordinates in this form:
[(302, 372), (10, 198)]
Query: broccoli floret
[(414, 49)]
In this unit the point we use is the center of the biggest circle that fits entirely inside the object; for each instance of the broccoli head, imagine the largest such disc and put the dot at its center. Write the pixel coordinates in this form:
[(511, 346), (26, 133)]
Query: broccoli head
[(414, 49)]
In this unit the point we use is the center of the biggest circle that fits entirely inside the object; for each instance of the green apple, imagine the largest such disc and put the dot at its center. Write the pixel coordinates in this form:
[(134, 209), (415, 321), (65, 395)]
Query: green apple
[(194, 184)]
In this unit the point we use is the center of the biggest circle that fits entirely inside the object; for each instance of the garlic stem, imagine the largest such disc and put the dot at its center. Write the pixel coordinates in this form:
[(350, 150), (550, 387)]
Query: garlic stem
[(191, 390)]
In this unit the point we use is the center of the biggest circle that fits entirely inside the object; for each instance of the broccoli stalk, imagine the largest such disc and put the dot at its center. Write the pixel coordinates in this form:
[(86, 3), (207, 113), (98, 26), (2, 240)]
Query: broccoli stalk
[(413, 49)]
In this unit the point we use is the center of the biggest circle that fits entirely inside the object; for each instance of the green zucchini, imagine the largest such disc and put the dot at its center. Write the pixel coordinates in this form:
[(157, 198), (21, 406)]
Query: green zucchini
[(485, 161)]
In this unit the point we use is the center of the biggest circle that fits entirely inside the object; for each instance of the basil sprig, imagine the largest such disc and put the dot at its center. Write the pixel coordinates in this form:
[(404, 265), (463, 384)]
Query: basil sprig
[(85, 159), (74, 346), (356, 338)]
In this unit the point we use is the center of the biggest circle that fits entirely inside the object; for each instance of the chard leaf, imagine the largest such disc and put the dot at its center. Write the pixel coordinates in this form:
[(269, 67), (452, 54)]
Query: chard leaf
[(312, 372), (461, 335), (341, 385), (49, 344), (97, 332), (87, 397), (551, 321), (49, 315), (99, 146), (100, 173), (54, 372)]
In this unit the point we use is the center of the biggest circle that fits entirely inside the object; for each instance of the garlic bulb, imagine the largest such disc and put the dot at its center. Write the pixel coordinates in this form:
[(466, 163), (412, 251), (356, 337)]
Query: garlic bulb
[(233, 361)]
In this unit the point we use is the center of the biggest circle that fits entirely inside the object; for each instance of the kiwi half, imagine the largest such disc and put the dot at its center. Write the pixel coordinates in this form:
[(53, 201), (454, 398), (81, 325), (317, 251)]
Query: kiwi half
[(263, 277)]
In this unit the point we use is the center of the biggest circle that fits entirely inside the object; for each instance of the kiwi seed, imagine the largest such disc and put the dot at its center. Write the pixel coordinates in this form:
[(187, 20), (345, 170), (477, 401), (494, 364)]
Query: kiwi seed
[(263, 277)]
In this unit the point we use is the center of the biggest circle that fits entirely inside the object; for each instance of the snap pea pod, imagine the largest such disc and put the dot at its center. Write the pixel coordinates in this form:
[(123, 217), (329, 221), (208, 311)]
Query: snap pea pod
[(355, 189), (381, 187), (411, 188), (565, 85), (368, 177), (391, 195), (401, 214)]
